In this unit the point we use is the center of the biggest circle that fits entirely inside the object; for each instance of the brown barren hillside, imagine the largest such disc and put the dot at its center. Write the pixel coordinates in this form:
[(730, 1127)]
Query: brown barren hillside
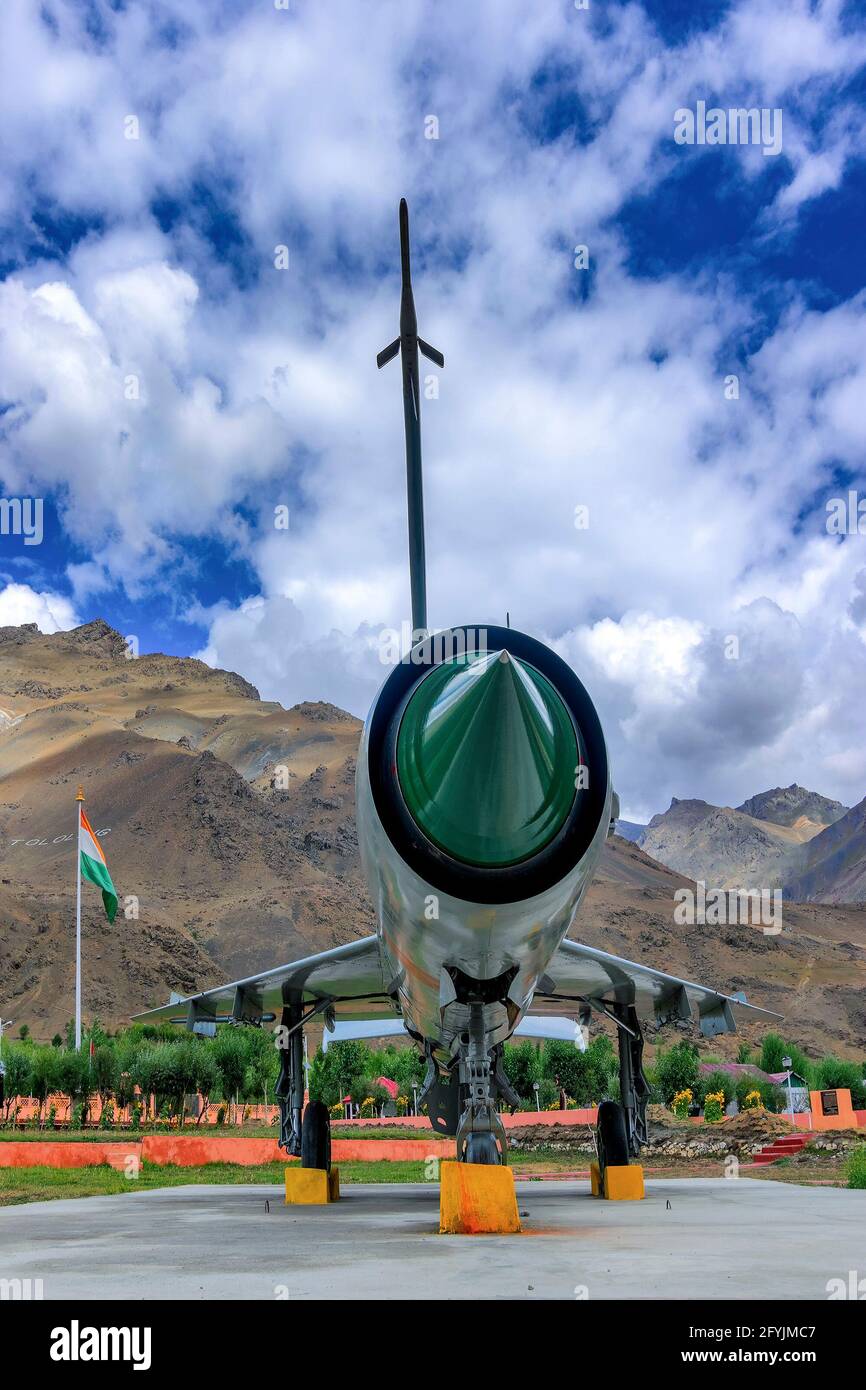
[(231, 821)]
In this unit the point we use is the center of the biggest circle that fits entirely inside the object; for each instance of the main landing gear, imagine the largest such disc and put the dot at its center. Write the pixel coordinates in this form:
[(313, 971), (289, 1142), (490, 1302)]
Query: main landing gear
[(621, 1128), (289, 1089), (316, 1137)]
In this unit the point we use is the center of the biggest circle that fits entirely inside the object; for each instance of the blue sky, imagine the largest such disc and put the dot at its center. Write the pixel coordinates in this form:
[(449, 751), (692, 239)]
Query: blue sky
[(165, 387)]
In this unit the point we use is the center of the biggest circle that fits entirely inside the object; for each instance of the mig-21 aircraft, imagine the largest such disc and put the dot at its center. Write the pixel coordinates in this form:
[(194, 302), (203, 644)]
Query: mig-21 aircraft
[(484, 799)]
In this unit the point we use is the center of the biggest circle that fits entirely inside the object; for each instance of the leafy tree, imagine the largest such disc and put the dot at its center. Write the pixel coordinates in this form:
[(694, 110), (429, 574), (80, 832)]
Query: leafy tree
[(548, 1093), (155, 1072), (57, 1040), (339, 1072), (44, 1075), (73, 1078), (584, 1076), (522, 1065), (832, 1073), (261, 1070), (103, 1071), (401, 1064), (185, 1073), (231, 1058), (774, 1048), (16, 1082), (604, 1060), (676, 1069), (126, 1050), (207, 1078)]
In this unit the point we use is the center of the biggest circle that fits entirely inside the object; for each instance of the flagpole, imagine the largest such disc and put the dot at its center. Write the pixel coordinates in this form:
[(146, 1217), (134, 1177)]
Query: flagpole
[(79, 798)]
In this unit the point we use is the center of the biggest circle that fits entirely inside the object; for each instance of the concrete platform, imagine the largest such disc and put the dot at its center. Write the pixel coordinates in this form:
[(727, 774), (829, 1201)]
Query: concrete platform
[(719, 1239)]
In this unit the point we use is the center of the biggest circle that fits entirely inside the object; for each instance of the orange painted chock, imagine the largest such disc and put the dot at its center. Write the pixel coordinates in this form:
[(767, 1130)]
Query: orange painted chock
[(477, 1199), (312, 1187)]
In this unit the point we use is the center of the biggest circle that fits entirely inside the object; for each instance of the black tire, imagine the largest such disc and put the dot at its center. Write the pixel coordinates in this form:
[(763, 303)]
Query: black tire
[(481, 1148), (612, 1135), (316, 1137)]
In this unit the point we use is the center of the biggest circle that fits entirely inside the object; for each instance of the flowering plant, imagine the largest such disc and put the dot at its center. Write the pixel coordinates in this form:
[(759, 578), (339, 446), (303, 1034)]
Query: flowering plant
[(681, 1103)]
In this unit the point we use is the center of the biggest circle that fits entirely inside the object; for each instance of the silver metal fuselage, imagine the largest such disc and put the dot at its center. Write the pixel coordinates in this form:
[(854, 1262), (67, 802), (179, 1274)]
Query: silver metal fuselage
[(423, 931)]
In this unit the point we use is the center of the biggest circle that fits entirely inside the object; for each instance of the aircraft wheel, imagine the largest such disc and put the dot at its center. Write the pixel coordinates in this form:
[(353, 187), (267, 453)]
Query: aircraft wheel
[(612, 1135), (316, 1136), (481, 1147)]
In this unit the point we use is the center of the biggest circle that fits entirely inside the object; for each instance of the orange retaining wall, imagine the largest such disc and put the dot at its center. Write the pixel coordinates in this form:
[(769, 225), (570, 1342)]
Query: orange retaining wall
[(516, 1121), (193, 1153), (47, 1155), (396, 1150)]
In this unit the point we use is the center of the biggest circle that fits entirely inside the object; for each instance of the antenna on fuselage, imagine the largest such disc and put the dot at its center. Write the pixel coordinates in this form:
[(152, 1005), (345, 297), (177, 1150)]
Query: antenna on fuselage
[(408, 344)]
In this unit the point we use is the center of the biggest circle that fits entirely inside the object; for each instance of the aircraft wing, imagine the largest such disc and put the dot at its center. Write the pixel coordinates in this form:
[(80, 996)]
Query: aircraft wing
[(350, 977), (582, 976)]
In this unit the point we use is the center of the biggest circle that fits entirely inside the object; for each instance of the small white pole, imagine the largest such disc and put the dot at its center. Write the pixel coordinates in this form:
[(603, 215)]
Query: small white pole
[(79, 798), (787, 1063)]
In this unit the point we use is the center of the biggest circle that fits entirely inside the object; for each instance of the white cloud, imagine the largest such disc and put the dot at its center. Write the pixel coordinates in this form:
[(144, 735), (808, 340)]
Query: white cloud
[(254, 388), (50, 612)]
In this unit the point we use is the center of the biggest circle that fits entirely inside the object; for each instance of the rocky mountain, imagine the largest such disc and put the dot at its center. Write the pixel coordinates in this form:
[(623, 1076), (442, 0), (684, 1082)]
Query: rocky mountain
[(760, 844), (793, 806), (630, 830), (831, 868), (228, 824)]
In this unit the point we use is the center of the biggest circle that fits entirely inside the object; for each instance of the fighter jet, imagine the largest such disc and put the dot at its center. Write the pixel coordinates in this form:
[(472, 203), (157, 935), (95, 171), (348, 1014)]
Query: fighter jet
[(484, 799)]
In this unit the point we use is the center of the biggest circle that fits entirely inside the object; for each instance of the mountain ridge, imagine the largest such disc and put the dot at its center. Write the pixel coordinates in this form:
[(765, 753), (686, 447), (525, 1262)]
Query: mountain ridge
[(229, 830)]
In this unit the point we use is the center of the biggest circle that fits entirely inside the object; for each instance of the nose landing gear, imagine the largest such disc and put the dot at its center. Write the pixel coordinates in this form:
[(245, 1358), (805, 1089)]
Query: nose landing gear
[(481, 1078)]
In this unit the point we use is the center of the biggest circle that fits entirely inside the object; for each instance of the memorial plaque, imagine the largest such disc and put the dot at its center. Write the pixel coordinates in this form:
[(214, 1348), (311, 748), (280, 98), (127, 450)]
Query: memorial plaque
[(829, 1103)]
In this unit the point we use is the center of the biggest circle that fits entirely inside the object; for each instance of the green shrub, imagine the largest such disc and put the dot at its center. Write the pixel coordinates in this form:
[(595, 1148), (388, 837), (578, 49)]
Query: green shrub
[(833, 1074), (676, 1069), (548, 1093), (856, 1168), (717, 1081)]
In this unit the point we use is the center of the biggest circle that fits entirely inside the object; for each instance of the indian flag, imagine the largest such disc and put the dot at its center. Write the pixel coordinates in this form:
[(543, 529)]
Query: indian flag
[(93, 865)]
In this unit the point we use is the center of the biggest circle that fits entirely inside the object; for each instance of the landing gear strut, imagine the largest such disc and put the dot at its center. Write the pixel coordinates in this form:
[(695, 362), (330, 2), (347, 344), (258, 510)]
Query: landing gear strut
[(290, 1083), (480, 1125), (633, 1085)]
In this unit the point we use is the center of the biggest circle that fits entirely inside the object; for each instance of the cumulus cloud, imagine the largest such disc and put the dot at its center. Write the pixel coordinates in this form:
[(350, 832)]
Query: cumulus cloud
[(171, 387), (50, 612)]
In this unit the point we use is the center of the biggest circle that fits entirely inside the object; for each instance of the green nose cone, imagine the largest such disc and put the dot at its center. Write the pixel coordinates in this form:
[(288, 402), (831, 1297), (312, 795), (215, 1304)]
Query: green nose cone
[(486, 757)]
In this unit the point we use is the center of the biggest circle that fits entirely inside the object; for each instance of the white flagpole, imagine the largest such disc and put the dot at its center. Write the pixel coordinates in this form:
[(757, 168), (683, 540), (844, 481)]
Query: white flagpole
[(79, 798)]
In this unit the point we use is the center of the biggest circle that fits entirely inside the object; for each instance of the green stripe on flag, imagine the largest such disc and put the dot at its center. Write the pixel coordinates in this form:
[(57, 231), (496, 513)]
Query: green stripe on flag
[(95, 871)]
